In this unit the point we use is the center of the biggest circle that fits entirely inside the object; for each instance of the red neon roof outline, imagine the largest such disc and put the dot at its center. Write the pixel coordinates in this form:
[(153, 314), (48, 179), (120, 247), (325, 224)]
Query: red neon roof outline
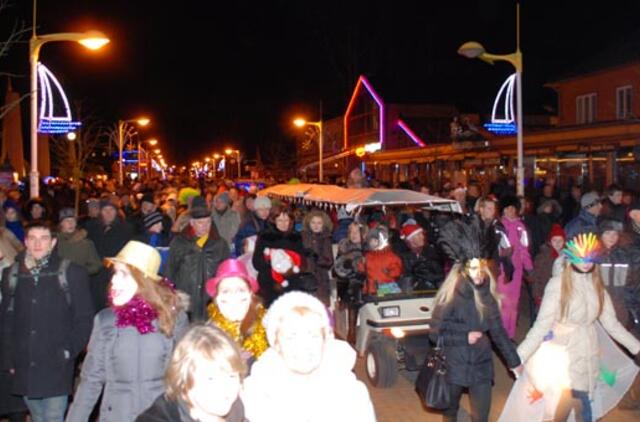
[(362, 80), (411, 134)]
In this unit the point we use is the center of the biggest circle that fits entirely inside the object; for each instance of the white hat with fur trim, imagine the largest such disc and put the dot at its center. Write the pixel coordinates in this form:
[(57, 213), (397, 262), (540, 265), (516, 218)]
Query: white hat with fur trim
[(284, 304)]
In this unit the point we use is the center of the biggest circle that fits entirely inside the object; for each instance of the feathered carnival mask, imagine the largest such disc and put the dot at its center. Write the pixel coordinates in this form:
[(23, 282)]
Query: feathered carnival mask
[(463, 240), (583, 248)]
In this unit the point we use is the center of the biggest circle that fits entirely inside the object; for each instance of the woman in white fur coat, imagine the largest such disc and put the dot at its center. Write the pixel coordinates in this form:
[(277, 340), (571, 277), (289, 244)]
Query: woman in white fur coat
[(574, 305), (306, 375)]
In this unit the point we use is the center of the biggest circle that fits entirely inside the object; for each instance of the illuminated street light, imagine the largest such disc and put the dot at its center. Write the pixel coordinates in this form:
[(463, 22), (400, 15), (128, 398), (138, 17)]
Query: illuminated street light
[(300, 122), (230, 151), (71, 136), (473, 50), (92, 40), (122, 124)]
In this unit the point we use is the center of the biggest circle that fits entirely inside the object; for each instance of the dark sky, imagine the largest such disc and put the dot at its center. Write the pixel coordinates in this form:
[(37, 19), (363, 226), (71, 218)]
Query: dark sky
[(214, 73)]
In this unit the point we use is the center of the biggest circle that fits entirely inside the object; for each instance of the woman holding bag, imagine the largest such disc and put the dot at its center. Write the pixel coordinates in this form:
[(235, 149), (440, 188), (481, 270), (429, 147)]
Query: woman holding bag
[(467, 311)]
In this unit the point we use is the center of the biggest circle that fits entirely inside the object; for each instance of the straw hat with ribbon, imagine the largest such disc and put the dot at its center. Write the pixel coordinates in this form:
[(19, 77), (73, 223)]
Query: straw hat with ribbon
[(141, 257)]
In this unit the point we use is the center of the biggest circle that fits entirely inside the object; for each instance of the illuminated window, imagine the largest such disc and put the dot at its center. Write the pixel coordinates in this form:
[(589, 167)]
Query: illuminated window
[(623, 102), (586, 108)]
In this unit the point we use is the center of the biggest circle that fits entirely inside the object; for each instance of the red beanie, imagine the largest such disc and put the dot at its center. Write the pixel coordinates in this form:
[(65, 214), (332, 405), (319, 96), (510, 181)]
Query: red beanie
[(557, 230), (409, 230)]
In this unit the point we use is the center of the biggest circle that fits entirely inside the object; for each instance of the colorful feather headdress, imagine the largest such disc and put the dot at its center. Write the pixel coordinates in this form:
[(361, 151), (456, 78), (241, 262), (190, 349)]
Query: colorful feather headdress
[(583, 248)]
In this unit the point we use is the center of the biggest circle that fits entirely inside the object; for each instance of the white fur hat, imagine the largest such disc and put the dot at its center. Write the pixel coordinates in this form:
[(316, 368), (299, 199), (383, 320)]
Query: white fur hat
[(284, 304)]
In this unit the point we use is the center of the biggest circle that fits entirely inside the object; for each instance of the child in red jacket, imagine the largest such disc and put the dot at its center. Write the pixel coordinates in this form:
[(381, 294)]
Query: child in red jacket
[(381, 266)]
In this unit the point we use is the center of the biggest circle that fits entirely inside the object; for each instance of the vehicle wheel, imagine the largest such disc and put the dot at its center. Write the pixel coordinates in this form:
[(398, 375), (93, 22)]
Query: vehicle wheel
[(381, 364)]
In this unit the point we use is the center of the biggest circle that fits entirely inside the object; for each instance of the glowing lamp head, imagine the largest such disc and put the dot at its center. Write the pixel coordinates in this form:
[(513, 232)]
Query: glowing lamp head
[(216, 156), (207, 159), (228, 151), (299, 122), (360, 152), (471, 50), (153, 142), (94, 40), (71, 136), (143, 121), (157, 151)]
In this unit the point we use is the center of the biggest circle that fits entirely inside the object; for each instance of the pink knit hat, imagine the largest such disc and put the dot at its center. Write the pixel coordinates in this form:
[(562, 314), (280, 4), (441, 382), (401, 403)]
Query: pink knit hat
[(227, 269)]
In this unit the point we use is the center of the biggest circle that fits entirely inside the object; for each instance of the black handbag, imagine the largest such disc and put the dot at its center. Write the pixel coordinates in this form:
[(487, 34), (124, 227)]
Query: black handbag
[(431, 385)]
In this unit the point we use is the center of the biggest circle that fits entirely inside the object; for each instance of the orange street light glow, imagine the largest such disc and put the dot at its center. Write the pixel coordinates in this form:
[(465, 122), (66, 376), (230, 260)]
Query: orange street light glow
[(94, 40), (299, 122)]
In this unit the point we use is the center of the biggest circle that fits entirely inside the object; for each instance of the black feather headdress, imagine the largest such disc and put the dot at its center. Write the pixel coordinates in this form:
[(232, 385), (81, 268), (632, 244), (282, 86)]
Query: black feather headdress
[(464, 239)]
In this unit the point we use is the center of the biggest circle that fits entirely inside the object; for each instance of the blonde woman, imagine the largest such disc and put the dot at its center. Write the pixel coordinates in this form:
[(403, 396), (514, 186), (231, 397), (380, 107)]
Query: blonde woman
[(572, 305), (467, 320), (202, 382), (132, 340)]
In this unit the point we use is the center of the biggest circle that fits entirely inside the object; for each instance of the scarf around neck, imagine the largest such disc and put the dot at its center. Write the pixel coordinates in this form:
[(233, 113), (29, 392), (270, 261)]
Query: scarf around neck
[(136, 313)]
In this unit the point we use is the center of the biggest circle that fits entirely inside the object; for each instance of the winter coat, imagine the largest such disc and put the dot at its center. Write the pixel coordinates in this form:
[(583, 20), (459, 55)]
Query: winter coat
[(520, 256), (10, 246), (341, 231), (619, 267), (17, 229), (613, 211), (273, 393), (577, 331), (164, 410), (127, 365), (227, 224), (585, 222), (381, 266), (274, 239), (44, 334), (542, 271), (321, 254), (77, 248), (190, 266), (109, 240), (471, 364), (425, 269), (251, 226), (349, 257)]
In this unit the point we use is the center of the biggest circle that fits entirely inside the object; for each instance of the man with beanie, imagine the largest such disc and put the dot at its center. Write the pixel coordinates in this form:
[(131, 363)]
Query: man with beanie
[(74, 245), (226, 219), (194, 256), (253, 224), (587, 219), (148, 206)]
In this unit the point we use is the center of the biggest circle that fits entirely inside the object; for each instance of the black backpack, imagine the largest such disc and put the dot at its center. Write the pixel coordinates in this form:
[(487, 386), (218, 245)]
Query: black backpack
[(62, 282)]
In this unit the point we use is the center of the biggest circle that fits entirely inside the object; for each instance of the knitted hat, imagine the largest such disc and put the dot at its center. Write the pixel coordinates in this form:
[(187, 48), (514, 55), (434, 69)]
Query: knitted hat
[(107, 203), (224, 197), (262, 202), (609, 224), (11, 204), (147, 197), (590, 199), (199, 208), (227, 269), (410, 230), (510, 201), (140, 256), (557, 230), (152, 219), (66, 213), (93, 203), (285, 304)]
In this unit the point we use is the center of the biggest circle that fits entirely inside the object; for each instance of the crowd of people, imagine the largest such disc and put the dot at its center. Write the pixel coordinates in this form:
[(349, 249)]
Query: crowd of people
[(96, 305)]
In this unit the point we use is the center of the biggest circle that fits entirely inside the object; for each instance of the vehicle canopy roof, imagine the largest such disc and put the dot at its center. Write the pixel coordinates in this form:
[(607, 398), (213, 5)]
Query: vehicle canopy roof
[(354, 199)]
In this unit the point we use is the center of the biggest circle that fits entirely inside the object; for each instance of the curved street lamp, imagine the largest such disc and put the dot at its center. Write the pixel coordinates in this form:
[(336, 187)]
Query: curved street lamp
[(300, 122), (92, 40)]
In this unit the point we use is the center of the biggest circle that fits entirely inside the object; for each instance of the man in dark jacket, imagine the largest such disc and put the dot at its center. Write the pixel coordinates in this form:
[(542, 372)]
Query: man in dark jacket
[(109, 234), (421, 261), (194, 256), (587, 220), (253, 224), (148, 206), (612, 206), (46, 317)]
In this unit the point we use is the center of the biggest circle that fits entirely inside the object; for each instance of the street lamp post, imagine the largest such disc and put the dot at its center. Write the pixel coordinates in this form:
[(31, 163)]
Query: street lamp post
[(301, 123), (143, 121), (92, 40), (474, 50), (230, 151)]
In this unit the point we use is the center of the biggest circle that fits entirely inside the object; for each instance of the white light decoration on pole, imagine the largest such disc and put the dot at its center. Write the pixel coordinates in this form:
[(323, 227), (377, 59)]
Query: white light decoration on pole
[(505, 126), (49, 122)]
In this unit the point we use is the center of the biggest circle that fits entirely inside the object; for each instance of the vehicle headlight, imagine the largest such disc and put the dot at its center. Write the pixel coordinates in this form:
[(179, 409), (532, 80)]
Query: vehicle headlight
[(389, 311)]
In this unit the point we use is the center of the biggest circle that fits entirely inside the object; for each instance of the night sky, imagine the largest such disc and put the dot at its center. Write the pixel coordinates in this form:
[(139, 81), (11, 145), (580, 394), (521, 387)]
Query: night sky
[(213, 73)]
